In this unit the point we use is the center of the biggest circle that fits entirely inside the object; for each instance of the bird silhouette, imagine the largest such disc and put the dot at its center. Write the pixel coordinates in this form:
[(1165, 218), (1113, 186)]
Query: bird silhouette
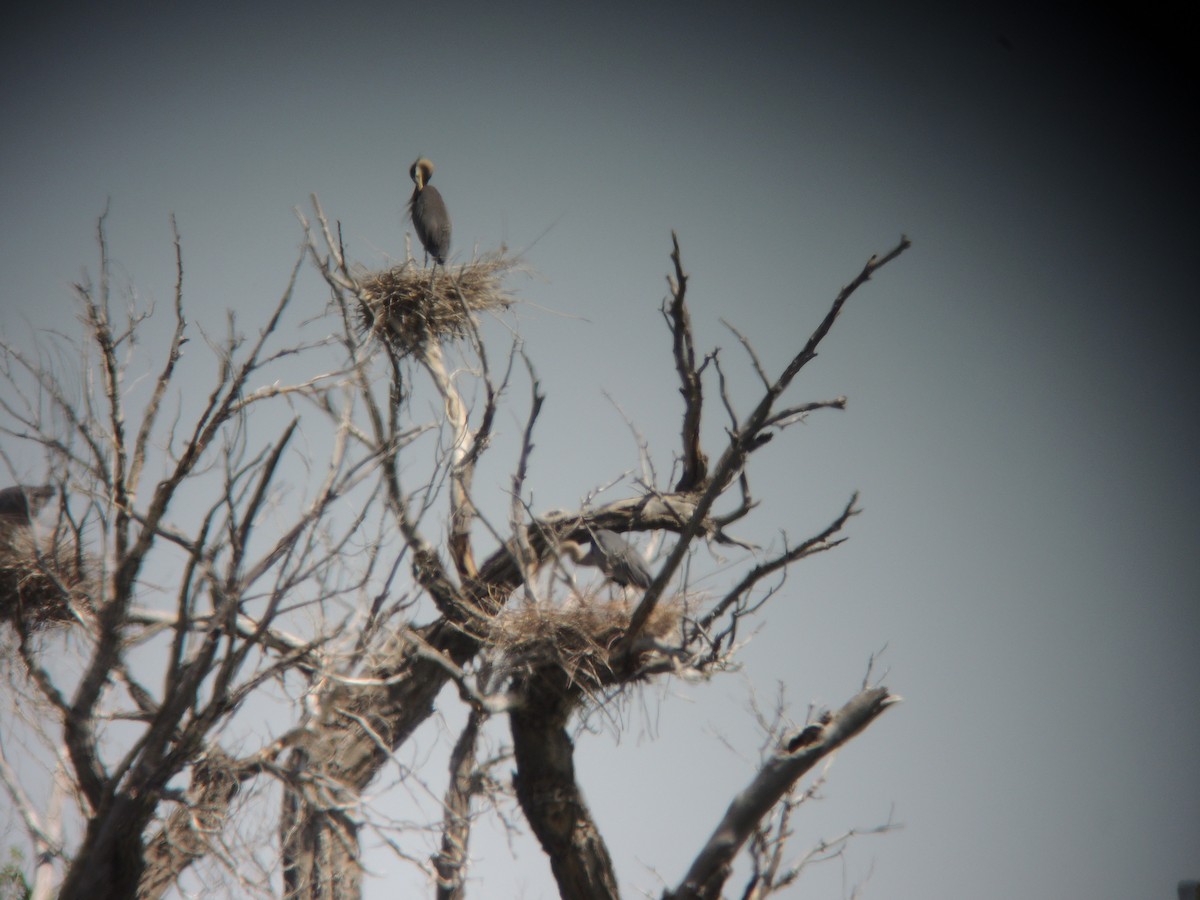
[(428, 212), (612, 555), (21, 502), (18, 506)]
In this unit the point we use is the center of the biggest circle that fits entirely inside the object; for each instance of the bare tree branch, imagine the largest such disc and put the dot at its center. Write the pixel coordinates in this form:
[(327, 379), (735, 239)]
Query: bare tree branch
[(229, 556), (451, 861), (775, 778), (744, 441), (549, 794), (695, 463)]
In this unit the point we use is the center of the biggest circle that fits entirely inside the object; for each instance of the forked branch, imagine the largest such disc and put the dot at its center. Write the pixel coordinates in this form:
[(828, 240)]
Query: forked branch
[(743, 440), (711, 867)]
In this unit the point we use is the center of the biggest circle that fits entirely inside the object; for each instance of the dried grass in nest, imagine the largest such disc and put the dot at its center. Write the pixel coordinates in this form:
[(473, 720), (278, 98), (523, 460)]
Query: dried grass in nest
[(408, 306), (575, 638), (41, 582)]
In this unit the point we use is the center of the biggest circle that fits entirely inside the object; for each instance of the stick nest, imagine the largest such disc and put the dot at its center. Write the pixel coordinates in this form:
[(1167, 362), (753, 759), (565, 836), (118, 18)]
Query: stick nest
[(577, 638), (42, 582), (407, 307)]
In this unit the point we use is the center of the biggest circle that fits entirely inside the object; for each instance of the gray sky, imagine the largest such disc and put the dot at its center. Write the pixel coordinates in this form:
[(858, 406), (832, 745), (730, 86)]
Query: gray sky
[(1023, 394)]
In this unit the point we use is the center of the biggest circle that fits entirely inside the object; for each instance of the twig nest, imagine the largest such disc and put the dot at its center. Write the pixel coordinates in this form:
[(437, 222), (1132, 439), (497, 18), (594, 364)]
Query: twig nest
[(576, 638), (41, 582), (409, 306)]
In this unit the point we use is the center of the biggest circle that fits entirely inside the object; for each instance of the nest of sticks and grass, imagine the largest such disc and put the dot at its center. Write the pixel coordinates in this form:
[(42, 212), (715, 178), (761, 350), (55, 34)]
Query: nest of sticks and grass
[(575, 639), (42, 581), (409, 306)]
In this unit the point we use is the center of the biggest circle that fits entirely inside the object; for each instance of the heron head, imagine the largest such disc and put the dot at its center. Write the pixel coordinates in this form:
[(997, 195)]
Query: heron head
[(41, 493), (37, 497), (421, 172)]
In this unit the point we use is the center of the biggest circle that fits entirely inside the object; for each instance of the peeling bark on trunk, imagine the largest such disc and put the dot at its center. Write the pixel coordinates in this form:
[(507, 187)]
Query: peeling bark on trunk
[(320, 843), (451, 862), (188, 832), (362, 727)]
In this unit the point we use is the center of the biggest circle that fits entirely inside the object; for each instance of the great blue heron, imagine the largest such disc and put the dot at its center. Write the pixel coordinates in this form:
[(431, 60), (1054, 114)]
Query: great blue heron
[(428, 212), (21, 502), (612, 555)]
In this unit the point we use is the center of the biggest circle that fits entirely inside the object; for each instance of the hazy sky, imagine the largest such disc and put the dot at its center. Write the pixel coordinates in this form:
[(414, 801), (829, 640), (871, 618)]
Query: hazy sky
[(1023, 383)]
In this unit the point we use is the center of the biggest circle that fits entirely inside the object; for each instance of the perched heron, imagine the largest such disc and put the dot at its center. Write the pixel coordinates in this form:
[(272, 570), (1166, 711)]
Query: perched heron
[(21, 502), (428, 211), (612, 555)]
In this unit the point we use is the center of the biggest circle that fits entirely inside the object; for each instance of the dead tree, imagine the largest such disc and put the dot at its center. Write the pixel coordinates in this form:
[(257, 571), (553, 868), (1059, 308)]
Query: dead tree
[(201, 584)]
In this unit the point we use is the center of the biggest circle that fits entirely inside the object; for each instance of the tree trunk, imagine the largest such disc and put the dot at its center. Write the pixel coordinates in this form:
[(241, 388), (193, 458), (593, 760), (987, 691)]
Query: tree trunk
[(550, 797), (110, 863), (188, 833), (451, 861), (319, 839), (348, 747)]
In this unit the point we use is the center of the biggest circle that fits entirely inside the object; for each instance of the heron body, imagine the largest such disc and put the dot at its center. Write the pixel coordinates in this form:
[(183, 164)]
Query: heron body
[(430, 219), (21, 502), (614, 556)]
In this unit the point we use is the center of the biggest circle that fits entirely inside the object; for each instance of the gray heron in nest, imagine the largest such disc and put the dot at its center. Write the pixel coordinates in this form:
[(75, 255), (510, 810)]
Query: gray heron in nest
[(612, 555), (428, 211)]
